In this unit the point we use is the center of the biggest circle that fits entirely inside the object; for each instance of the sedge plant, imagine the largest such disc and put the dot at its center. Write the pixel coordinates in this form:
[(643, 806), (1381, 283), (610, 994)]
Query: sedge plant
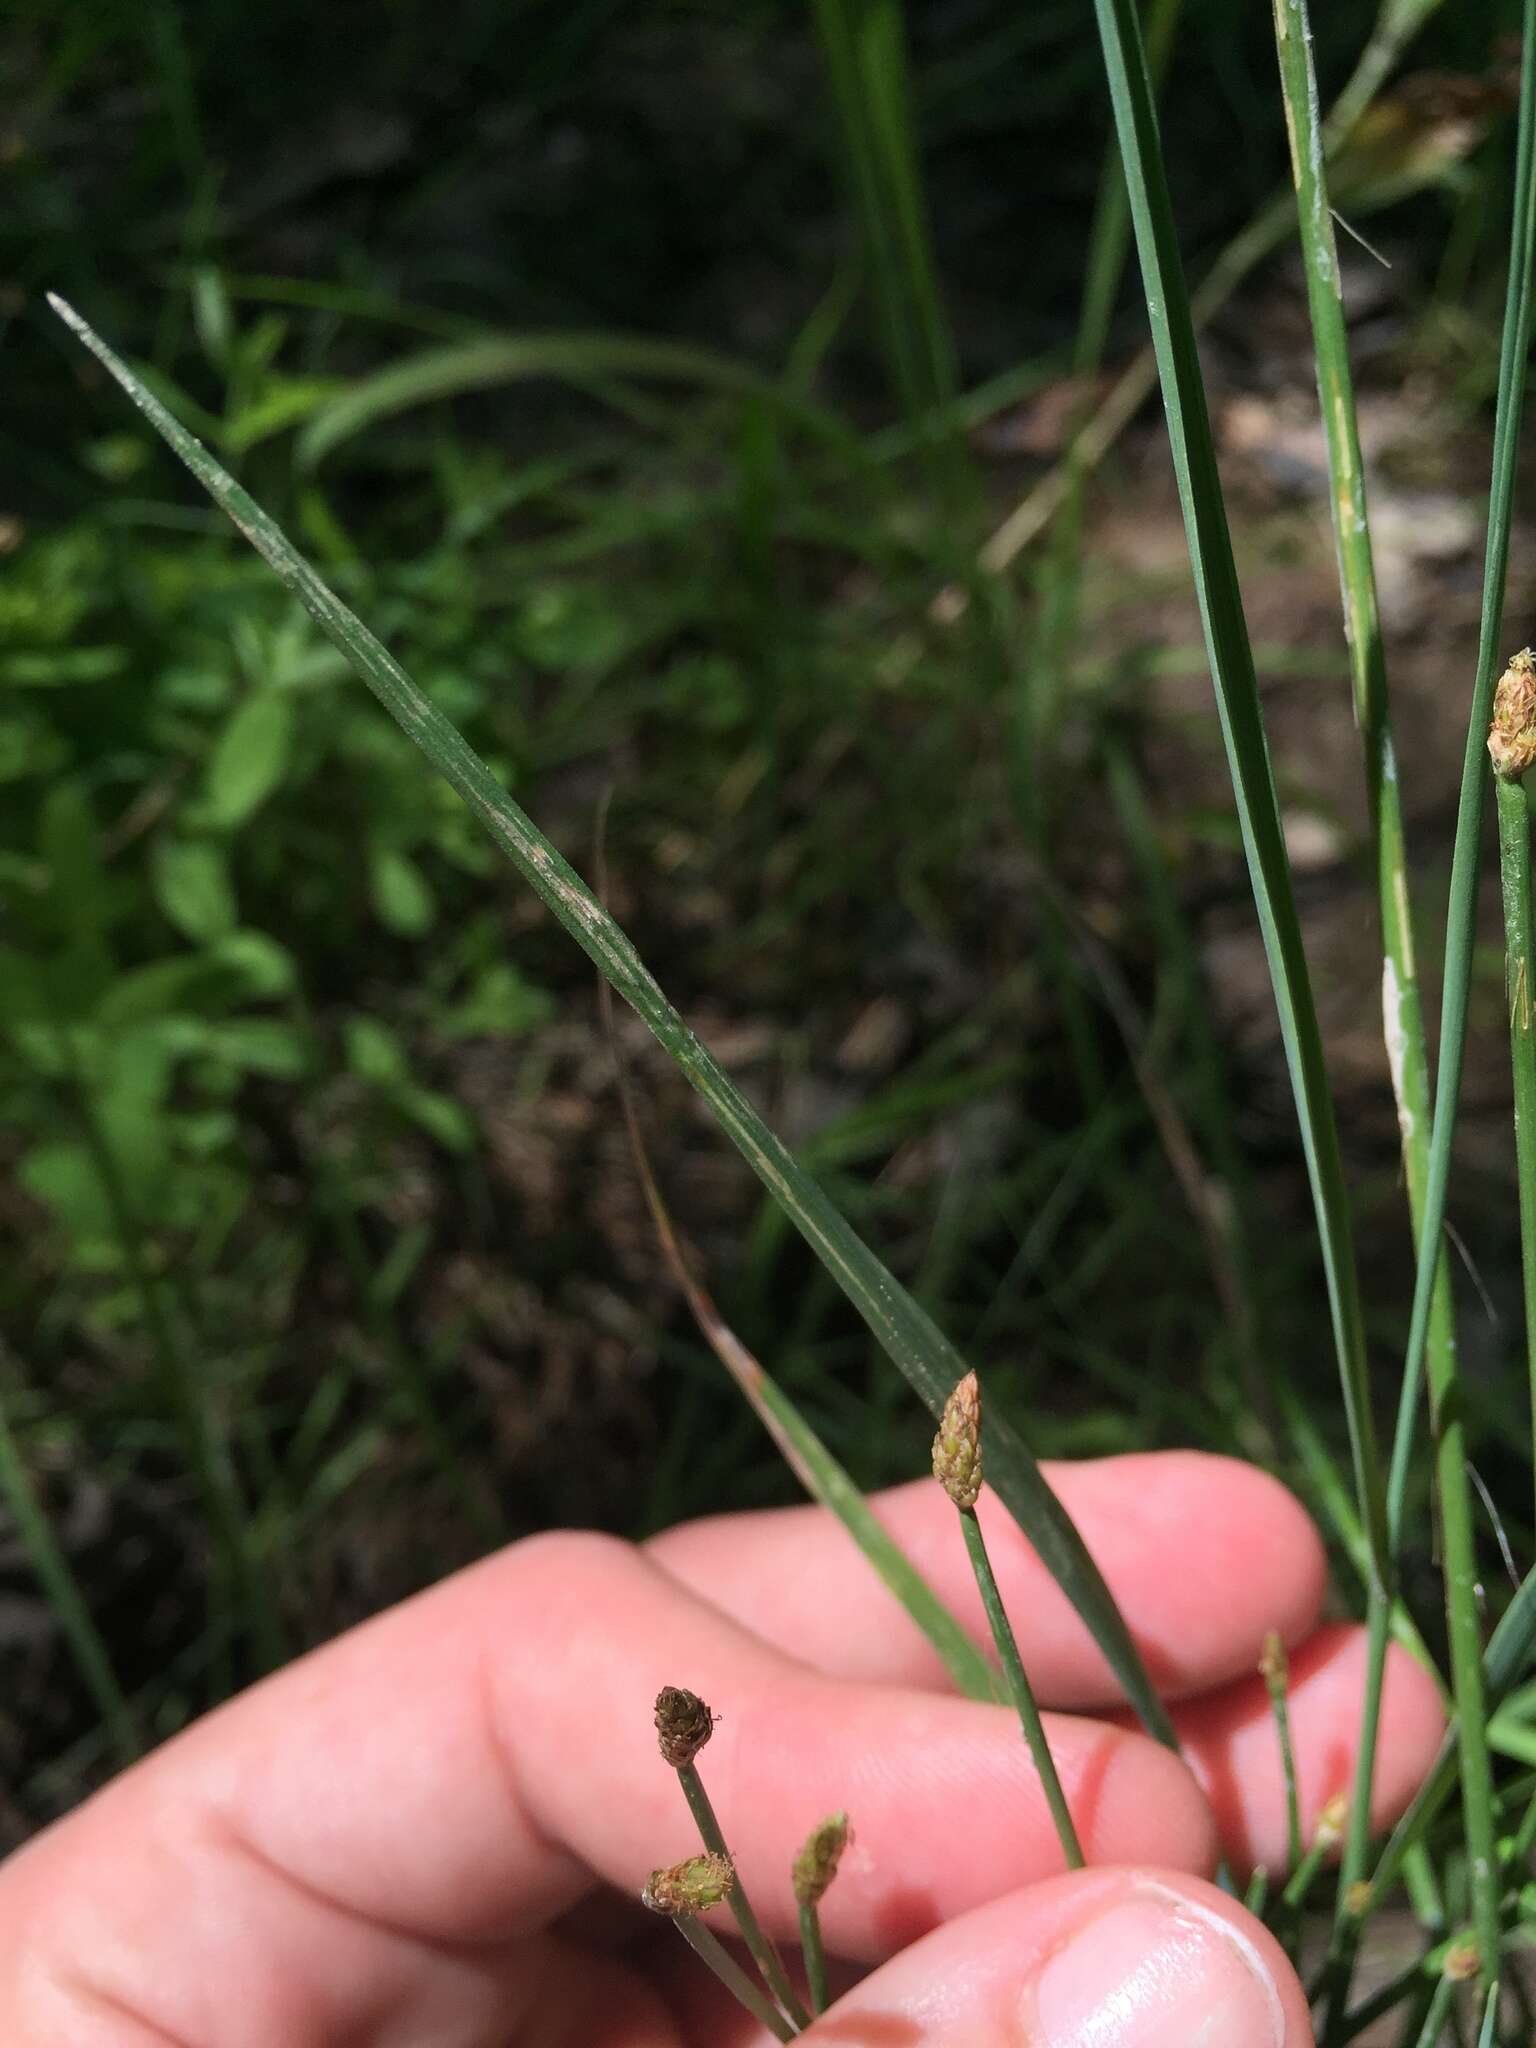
[(1498, 1826)]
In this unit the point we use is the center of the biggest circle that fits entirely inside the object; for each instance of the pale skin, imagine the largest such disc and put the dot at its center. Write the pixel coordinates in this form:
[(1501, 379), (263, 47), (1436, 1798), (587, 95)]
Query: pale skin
[(430, 1832)]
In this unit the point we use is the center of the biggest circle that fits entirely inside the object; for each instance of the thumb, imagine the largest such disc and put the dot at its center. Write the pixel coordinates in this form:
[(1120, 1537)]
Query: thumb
[(1110, 1958)]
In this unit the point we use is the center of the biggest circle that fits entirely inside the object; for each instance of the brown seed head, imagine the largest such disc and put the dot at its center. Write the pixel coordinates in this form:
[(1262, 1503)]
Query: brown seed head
[(957, 1447), (1462, 1961), (1273, 1668), (816, 1865), (692, 1886), (1512, 736), (683, 1725)]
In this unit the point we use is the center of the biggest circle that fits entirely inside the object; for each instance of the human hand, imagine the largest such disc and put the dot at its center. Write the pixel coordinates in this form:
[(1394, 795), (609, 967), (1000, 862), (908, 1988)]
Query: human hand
[(429, 1831)]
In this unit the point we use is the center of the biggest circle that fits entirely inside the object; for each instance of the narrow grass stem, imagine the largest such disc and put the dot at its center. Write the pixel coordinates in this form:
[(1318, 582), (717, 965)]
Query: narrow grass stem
[(1402, 1013), (1020, 1689), (1230, 657), (1325, 1840), (712, 1951), (1432, 2033), (1276, 1677), (761, 1948), (1520, 993), (1456, 1524), (813, 1949)]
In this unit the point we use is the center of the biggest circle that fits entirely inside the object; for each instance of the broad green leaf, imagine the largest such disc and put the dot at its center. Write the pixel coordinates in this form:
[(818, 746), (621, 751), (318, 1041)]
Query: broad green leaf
[(248, 758), (911, 1338), (192, 886)]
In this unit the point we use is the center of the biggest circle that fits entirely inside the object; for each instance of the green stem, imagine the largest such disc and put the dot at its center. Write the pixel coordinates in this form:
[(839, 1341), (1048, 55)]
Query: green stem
[(1402, 1014), (1019, 1687), (1275, 1683), (1432, 2033), (1520, 991), (814, 1951), (762, 1950), (1447, 1421), (709, 1948)]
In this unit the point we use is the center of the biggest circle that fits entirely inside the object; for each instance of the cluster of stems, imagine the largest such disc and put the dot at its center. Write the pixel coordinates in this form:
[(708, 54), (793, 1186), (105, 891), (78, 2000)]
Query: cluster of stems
[(683, 1891)]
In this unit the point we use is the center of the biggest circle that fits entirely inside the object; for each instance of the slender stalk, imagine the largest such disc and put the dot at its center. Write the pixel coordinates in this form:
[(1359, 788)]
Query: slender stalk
[(1325, 1839), (957, 1465), (1276, 1675), (1402, 1013), (1230, 657), (711, 1950), (761, 1948), (814, 1951), (1432, 2033), (1520, 992), (1397, 23), (1020, 1688), (814, 1869), (1456, 1524)]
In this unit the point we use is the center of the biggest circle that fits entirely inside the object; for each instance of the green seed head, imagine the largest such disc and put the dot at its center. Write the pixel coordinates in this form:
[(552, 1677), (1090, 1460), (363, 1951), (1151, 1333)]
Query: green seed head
[(692, 1886), (957, 1447), (1512, 737), (683, 1725), (816, 1865)]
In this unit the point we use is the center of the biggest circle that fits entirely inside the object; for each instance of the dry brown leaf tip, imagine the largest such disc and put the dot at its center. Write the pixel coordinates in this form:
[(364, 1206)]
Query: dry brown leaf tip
[(1512, 736)]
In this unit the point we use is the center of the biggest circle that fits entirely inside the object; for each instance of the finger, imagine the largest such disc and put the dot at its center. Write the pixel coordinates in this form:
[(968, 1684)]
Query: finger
[(1204, 1556), (1143, 1958), (446, 1778), (1232, 1746)]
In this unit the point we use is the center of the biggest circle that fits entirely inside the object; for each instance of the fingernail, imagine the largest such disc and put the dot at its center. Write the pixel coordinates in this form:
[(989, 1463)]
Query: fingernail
[(1156, 1970)]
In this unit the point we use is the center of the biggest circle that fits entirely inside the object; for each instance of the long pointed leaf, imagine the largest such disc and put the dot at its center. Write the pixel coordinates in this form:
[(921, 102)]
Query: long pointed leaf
[(1232, 672), (905, 1330)]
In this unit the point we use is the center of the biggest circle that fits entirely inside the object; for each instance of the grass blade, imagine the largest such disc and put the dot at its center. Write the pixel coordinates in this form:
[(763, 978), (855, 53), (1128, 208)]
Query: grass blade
[(1231, 663), (1402, 1011), (1396, 25), (1505, 1663), (482, 365), (823, 1478), (864, 49), (904, 1329)]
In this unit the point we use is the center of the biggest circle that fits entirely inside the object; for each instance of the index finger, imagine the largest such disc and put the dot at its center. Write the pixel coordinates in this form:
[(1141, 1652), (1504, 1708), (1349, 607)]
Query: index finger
[(451, 1776)]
